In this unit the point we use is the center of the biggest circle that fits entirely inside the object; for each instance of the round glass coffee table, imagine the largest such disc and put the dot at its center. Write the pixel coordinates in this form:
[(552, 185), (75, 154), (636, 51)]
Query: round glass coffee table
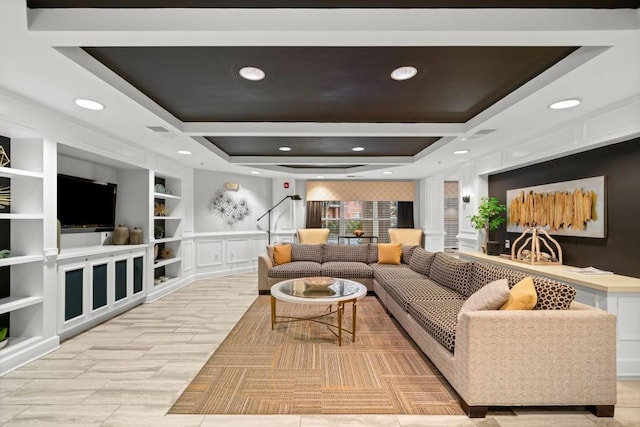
[(319, 291)]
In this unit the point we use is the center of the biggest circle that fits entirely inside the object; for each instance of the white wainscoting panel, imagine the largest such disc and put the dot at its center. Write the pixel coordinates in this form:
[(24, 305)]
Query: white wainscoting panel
[(209, 252), (187, 256), (629, 315), (238, 251)]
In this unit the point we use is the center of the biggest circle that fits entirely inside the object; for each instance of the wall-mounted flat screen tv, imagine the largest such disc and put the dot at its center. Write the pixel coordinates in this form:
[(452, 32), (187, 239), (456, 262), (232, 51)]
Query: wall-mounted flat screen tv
[(86, 205)]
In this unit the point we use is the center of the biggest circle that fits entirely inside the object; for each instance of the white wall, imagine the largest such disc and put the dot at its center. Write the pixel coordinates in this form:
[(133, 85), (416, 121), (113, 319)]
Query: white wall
[(256, 191)]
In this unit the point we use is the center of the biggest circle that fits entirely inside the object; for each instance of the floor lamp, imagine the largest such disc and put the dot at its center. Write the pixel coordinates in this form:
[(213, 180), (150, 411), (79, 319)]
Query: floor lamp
[(292, 197)]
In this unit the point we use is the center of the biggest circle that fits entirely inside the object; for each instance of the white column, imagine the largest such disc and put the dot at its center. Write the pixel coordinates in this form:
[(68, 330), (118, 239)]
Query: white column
[(476, 186), (432, 212)]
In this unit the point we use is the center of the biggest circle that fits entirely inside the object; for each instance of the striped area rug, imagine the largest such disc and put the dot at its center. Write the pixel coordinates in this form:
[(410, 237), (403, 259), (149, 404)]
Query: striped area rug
[(299, 369)]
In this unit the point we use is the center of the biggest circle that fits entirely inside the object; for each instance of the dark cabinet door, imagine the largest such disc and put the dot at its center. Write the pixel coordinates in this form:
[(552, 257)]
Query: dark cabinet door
[(73, 285), (121, 279), (99, 286)]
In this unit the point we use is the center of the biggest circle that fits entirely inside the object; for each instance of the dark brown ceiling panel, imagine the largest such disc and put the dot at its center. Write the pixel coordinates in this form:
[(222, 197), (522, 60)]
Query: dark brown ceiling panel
[(547, 4), (320, 167), (322, 146), (327, 84)]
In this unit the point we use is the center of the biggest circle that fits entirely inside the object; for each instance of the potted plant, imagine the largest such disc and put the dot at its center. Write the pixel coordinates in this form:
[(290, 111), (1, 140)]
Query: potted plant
[(3, 337), (489, 218)]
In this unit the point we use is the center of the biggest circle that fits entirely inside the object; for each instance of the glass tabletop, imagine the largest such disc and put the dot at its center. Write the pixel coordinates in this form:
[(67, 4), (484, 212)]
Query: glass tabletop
[(339, 288)]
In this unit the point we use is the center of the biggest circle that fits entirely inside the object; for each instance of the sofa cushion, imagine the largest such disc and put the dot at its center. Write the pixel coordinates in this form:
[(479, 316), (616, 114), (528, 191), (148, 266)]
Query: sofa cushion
[(388, 272), (350, 253), (407, 251), (405, 290), (270, 252), (438, 318), (451, 272), (522, 296), (295, 269), (491, 296), (373, 253), (389, 253), (552, 295), (421, 260), (306, 252), (346, 270), (484, 273), (281, 254)]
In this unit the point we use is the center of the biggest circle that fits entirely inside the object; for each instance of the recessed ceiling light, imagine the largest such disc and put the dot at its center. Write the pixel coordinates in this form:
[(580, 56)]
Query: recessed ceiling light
[(284, 148), (89, 104), (461, 152), (255, 172), (463, 139), (251, 73), (184, 152), (565, 103), (404, 73), (357, 149), (320, 176), (387, 172)]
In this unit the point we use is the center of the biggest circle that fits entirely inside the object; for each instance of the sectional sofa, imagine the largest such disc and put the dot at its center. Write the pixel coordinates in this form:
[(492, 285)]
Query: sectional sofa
[(560, 353)]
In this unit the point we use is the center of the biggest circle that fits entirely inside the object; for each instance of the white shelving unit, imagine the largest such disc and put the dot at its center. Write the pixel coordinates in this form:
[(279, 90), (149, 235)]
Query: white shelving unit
[(24, 306), (166, 230)]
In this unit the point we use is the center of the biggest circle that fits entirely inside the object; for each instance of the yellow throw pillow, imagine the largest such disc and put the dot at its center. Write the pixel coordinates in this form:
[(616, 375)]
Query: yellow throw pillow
[(281, 254), (522, 296), (389, 253)]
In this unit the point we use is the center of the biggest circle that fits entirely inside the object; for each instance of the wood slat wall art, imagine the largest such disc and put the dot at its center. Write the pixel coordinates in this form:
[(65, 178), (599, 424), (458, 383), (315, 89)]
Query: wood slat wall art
[(571, 208), (556, 210)]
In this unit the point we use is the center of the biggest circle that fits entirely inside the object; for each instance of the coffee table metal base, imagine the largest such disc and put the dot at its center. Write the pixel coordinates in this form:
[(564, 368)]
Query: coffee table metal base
[(275, 319)]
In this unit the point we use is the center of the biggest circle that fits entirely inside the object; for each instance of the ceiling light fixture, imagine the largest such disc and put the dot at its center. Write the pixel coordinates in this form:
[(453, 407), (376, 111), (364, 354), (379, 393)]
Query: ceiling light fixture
[(255, 172), (565, 103), (461, 152), (89, 104), (184, 152), (404, 73), (320, 176), (387, 172), (252, 73), (284, 148), (357, 149)]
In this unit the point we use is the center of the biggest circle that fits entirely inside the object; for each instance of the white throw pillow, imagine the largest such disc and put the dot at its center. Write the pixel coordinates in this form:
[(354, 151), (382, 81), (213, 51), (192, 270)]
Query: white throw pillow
[(489, 297)]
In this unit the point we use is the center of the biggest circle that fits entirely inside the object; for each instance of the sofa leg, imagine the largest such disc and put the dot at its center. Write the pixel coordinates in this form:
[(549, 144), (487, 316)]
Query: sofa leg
[(474, 411), (602, 410)]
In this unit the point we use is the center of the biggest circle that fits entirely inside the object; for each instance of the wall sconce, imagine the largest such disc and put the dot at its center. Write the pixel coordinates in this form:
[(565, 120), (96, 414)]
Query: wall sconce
[(466, 199), (231, 186)]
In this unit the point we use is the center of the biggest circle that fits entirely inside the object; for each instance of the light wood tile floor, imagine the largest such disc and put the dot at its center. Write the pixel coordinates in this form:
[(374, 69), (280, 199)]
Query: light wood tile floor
[(129, 370)]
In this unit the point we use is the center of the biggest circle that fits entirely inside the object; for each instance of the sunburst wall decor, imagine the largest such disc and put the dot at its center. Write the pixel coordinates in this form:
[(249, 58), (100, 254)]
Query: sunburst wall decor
[(228, 207)]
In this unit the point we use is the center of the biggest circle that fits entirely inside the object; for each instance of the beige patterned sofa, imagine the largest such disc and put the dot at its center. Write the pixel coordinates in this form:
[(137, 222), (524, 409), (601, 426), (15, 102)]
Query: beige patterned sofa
[(561, 353)]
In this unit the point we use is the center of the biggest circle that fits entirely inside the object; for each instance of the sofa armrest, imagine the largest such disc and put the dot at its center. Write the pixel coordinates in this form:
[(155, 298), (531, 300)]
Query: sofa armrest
[(264, 265), (537, 357)]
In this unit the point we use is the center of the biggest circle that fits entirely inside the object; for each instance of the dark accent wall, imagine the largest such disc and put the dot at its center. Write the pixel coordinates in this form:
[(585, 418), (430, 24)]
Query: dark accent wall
[(620, 164)]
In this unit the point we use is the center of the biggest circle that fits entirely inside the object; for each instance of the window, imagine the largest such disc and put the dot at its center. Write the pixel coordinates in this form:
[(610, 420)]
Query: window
[(374, 218)]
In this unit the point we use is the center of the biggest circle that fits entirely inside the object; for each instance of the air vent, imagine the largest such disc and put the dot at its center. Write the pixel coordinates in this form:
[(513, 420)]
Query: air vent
[(157, 129), (481, 133)]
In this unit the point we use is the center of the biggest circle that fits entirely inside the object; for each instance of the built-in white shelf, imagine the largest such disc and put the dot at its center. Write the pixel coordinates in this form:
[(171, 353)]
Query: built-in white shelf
[(167, 261), (21, 259), (166, 240), (85, 251), (12, 172), (16, 344), (170, 218), (166, 196), (15, 303), (20, 216), (167, 282)]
